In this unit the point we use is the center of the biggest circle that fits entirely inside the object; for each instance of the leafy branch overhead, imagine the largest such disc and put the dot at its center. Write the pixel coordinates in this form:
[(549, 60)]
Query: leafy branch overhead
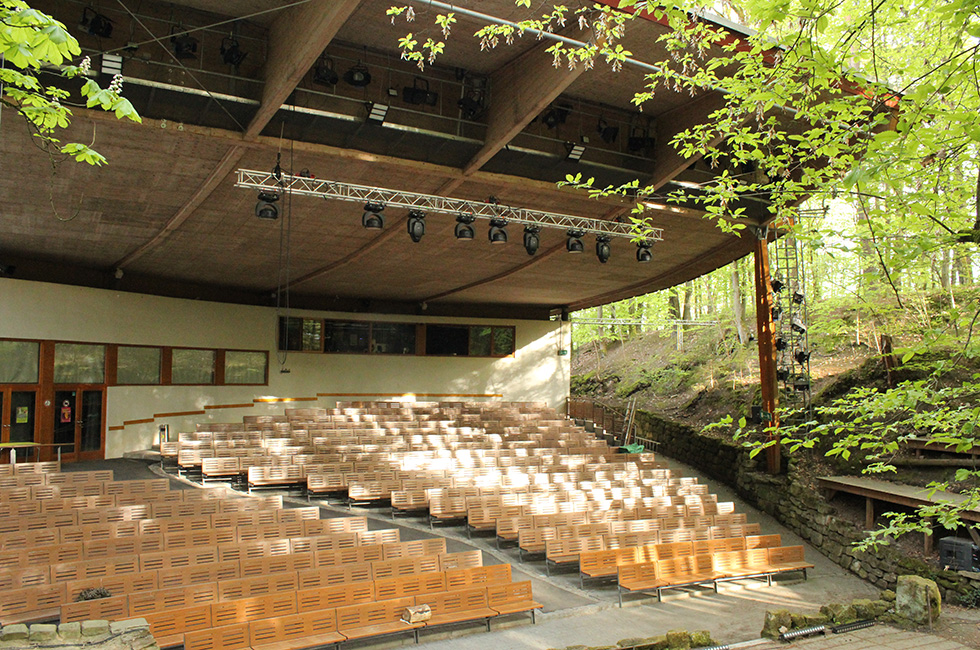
[(32, 41)]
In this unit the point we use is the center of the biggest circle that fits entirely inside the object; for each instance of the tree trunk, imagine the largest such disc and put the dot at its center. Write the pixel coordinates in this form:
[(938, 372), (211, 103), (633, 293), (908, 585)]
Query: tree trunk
[(601, 330), (688, 299), (964, 266)]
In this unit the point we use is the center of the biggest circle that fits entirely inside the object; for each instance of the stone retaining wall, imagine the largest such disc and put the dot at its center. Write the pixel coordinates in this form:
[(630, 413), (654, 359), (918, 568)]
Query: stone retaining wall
[(133, 634), (792, 503)]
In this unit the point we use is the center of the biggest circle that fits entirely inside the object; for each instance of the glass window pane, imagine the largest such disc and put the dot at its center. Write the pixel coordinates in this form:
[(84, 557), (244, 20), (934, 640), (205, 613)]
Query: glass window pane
[(245, 367), (393, 338), (137, 365), (447, 340), (193, 367), (77, 363), (22, 403), (19, 362), (300, 334), (480, 341), (503, 341), (346, 337)]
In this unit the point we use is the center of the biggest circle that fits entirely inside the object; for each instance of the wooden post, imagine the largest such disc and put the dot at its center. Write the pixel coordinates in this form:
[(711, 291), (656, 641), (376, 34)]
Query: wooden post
[(767, 345), (869, 513)]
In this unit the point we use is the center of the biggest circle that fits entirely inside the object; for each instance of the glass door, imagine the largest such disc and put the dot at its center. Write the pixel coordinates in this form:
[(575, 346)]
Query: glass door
[(17, 419), (78, 423)]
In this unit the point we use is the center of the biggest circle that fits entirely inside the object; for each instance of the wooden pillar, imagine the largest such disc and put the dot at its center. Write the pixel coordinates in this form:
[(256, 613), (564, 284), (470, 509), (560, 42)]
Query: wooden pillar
[(869, 513), (767, 346)]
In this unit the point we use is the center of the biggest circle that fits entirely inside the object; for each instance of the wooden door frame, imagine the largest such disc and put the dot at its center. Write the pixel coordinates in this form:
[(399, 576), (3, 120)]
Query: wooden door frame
[(78, 454)]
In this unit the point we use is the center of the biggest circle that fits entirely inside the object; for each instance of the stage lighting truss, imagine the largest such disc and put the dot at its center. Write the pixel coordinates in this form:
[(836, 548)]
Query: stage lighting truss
[(335, 190)]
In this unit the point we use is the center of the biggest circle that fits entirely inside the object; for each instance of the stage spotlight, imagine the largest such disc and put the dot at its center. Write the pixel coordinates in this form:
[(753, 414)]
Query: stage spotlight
[(782, 374), (470, 107), (323, 72), (358, 75), (231, 52), (372, 218), (95, 23), (497, 234), (464, 227), (602, 248), (777, 312), (416, 225), (557, 115), (798, 297), (377, 112), (609, 134), (266, 207), (574, 242), (418, 93), (531, 239), (185, 45), (797, 325), (643, 253), (801, 382), (781, 344), (777, 285), (802, 356)]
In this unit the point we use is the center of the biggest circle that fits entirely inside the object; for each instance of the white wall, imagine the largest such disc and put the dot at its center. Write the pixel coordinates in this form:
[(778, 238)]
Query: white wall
[(35, 310)]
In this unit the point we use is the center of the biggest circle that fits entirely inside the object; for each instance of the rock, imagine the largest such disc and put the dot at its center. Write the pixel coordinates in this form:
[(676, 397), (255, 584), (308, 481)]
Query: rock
[(774, 620), (17, 632), (629, 643), (888, 596), (864, 609), (95, 628), (701, 639), (678, 639), (917, 599), (70, 631), (653, 643), (41, 632)]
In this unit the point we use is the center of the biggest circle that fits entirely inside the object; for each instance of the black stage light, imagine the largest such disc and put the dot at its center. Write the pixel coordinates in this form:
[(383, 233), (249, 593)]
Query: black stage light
[(781, 344), (531, 239), (266, 207), (231, 52), (497, 234), (416, 225), (574, 242), (185, 46), (643, 253), (557, 115), (802, 356), (602, 248), (777, 313), (798, 297), (372, 218), (95, 23), (418, 93), (464, 227), (782, 374), (797, 325), (470, 107), (801, 382), (323, 72), (609, 134), (777, 285), (358, 75)]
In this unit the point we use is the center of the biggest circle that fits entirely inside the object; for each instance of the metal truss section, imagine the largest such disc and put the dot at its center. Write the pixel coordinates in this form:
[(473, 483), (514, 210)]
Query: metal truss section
[(325, 189)]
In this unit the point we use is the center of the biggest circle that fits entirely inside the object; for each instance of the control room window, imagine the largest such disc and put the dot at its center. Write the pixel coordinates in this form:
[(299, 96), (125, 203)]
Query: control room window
[(341, 336), (393, 338), (447, 340), (300, 334), (245, 367)]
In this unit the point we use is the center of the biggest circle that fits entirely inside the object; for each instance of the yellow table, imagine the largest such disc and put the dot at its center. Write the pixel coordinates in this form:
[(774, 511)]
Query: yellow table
[(14, 446)]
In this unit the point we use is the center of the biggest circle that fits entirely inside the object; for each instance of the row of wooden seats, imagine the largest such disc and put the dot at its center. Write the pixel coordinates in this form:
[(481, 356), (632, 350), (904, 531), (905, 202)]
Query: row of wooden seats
[(313, 587), (298, 534), (332, 626), (249, 524), (87, 516), (566, 551), (52, 478), (41, 505), (691, 570), (16, 469), (605, 563)]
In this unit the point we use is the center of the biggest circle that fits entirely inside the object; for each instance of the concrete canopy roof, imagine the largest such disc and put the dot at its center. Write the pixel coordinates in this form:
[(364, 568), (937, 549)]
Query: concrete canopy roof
[(166, 212)]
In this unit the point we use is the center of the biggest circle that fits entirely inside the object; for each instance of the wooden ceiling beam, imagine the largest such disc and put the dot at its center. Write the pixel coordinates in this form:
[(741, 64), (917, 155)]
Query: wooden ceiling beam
[(296, 39), (521, 90)]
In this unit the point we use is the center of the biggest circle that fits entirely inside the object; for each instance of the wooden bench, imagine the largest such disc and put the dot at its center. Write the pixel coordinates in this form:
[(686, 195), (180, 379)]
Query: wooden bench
[(249, 609), (512, 598), (684, 571), (460, 606), (374, 619), (408, 501), (168, 627), (228, 637), (221, 468), (309, 630), (482, 575), (272, 583), (324, 484), (340, 595), (412, 585), (144, 602), (29, 604), (562, 552), (431, 546)]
